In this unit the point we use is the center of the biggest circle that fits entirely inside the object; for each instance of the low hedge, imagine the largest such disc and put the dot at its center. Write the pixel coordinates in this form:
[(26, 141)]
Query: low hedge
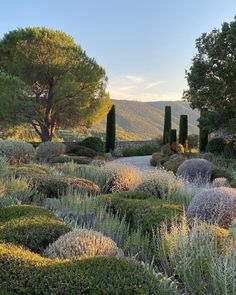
[(27, 169), (142, 210), (33, 228), (55, 185), (94, 143), (24, 272), (67, 159), (79, 150), (140, 151)]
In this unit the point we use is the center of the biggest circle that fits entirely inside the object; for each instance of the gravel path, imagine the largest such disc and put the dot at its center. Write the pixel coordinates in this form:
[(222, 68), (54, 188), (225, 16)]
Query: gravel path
[(141, 162)]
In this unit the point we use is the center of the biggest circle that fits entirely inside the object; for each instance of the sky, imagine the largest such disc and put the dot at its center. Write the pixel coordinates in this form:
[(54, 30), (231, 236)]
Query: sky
[(145, 46)]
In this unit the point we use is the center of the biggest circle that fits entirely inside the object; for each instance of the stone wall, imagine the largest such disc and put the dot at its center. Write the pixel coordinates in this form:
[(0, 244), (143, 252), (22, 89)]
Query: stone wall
[(135, 144)]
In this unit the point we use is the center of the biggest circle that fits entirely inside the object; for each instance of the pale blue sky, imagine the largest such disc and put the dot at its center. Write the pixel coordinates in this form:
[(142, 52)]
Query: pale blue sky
[(144, 45)]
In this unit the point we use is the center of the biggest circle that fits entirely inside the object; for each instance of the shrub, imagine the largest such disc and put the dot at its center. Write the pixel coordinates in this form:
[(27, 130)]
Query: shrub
[(233, 183), (207, 156), (120, 177), (16, 151), (32, 231), (166, 150), (216, 145), (94, 143), (195, 170), (173, 163), (215, 205), (219, 173), (141, 210), (67, 159), (180, 148), (82, 242), (55, 185), (18, 188), (76, 149), (157, 159), (48, 150), (219, 182), (192, 253), (26, 170), (193, 141), (141, 151), (161, 184), (230, 150), (24, 272)]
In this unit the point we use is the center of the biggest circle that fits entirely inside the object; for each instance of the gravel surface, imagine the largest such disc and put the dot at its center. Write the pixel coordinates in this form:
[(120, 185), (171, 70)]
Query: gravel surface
[(141, 162)]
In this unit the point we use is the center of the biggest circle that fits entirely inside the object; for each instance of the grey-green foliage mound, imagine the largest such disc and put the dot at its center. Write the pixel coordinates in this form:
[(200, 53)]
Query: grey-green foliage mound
[(24, 272), (215, 205)]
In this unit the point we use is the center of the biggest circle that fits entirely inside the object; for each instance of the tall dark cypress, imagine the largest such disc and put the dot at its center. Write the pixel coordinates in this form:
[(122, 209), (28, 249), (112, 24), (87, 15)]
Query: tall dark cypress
[(172, 136), (167, 124), (111, 130), (203, 133), (183, 130)]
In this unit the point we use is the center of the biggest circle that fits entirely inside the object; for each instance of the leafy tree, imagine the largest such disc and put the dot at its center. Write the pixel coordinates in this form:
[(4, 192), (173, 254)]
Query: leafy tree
[(48, 81), (211, 78)]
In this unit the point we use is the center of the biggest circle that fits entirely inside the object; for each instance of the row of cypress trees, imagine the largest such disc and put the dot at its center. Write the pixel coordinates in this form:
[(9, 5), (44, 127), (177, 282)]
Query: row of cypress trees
[(170, 135)]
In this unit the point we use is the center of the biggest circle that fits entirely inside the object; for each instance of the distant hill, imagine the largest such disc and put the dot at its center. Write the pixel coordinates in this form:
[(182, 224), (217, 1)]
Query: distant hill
[(144, 120)]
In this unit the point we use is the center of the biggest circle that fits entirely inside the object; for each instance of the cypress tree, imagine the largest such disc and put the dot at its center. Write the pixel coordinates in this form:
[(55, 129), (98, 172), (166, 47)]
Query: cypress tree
[(172, 136), (203, 133), (111, 130), (167, 124), (183, 130)]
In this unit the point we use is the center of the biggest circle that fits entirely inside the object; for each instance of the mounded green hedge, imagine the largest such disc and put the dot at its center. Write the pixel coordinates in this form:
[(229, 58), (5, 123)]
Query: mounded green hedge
[(24, 272), (67, 159), (27, 169), (55, 185), (32, 227), (142, 210)]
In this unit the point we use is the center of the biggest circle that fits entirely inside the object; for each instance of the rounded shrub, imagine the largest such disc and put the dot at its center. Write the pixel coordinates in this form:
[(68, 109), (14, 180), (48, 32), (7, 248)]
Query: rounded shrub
[(16, 152), (220, 182), (180, 148), (76, 149), (173, 163), (120, 177), (35, 232), (215, 205), (24, 272), (48, 150), (67, 159), (233, 183), (230, 150), (219, 173), (27, 169), (216, 145), (141, 210), (82, 242), (55, 185), (195, 170), (157, 159), (166, 150), (94, 143)]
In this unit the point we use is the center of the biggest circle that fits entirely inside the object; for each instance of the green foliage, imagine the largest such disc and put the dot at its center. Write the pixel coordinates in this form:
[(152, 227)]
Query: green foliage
[(16, 152), (209, 84), (166, 150), (94, 143), (230, 150), (172, 136), (203, 132), (143, 211), (68, 159), (56, 83), (99, 275), (76, 149), (140, 151), (167, 125), (111, 130), (183, 129), (26, 169), (216, 145), (32, 227), (193, 141), (173, 163), (55, 185), (48, 150), (158, 159), (218, 172)]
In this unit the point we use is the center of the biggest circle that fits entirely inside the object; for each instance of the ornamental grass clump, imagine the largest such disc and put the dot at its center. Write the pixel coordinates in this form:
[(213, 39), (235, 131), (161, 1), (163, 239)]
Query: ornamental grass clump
[(16, 152), (214, 205), (195, 170), (120, 177), (82, 242)]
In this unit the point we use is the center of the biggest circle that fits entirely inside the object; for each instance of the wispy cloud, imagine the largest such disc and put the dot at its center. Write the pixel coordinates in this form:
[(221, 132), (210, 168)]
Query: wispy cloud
[(132, 87)]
